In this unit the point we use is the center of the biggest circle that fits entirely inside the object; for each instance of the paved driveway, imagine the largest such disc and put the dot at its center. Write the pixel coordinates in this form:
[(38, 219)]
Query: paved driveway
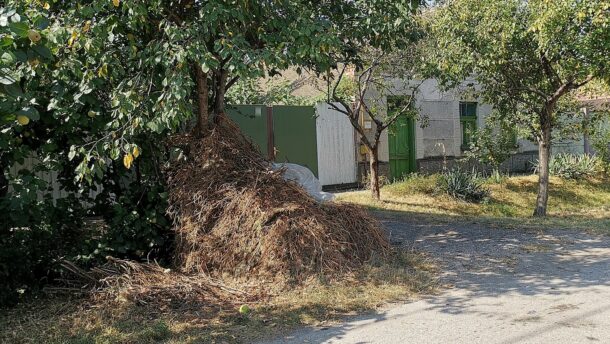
[(504, 286)]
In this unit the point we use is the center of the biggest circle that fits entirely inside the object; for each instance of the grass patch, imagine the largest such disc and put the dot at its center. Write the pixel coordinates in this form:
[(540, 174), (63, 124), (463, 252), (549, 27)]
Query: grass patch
[(318, 302), (577, 204)]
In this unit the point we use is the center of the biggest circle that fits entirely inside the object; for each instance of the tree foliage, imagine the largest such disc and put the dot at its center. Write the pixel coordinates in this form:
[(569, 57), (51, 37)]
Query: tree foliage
[(92, 89), (529, 56), (494, 143)]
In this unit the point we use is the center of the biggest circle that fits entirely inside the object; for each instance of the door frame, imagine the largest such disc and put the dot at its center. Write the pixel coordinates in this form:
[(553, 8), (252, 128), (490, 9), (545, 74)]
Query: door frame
[(410, 132)]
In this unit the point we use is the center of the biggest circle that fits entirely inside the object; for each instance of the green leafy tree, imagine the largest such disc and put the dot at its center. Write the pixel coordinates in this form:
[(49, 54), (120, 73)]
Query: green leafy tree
[(34, 229), (272, 92), (529, 56), (92, 89)]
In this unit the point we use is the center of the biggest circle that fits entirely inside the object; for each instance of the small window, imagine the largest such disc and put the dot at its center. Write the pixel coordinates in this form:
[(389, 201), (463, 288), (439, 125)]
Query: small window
[(468, 109), (468, 122)]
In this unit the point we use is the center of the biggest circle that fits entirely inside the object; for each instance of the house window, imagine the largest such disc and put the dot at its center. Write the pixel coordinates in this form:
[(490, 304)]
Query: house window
[(468, 122)]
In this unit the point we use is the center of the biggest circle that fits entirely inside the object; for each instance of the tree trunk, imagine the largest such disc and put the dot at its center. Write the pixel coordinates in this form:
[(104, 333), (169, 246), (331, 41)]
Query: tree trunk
[(3, 181), (219, 94), (544, 153), (374, 172), (586, 139), (202, 100)]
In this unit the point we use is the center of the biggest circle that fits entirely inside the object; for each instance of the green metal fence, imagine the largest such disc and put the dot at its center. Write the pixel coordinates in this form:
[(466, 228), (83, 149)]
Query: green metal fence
[(282, 133)]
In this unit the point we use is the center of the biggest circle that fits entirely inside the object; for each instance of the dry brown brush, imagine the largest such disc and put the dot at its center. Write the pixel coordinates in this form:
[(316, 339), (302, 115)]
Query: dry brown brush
[(148, 284), (234, 215)]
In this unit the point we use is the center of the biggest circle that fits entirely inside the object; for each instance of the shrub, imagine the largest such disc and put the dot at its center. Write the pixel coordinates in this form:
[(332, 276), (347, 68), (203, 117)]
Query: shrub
[(497, 177), (573, 166), (494, 143), (34, 233), (136, 226), (464, 185)]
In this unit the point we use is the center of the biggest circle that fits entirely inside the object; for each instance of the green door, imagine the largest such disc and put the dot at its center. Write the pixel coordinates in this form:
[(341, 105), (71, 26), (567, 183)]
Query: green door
[(294, 132), (401, 138)]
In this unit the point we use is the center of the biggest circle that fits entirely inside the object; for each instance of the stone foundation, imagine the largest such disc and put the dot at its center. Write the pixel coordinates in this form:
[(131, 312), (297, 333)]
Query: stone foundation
[(518, 163)]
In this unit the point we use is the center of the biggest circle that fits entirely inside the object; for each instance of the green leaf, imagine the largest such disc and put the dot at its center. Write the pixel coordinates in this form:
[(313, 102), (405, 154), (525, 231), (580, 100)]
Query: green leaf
[(41, 23), (7, 118), (20, 29), (29, 112), (43, 51), (7, 58), (7, 79), (6, 41), (21, 56), (13, 90), (72, 153)]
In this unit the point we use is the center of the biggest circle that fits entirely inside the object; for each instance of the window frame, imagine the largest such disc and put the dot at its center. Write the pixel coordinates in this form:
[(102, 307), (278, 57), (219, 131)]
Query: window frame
[(467, 120)]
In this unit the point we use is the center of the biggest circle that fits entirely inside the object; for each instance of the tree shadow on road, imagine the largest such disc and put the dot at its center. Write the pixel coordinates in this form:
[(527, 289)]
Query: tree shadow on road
[(484, 259)]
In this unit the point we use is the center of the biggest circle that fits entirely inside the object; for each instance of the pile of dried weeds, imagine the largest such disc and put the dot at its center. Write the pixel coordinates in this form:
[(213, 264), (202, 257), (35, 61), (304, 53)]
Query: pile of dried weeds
[(148, 284), (235, 216)]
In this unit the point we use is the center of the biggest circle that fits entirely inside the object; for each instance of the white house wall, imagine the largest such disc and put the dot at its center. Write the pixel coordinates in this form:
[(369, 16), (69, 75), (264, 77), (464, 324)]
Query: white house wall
[(440, 134)]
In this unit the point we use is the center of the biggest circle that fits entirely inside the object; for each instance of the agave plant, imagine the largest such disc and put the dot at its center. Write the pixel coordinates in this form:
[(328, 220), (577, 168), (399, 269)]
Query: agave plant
[(464, 185), (573, 166)]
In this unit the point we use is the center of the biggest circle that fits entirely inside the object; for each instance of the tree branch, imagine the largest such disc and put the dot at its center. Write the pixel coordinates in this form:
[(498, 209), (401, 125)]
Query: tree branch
[(232, 81)]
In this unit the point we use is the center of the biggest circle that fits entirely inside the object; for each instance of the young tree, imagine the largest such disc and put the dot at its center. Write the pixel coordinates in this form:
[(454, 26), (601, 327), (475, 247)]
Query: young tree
[(527, 55), (494, 143), (379, 48), (371, 92)]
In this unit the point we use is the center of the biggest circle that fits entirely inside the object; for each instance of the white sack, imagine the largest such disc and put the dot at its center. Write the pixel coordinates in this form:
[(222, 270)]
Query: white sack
[(304, 177)]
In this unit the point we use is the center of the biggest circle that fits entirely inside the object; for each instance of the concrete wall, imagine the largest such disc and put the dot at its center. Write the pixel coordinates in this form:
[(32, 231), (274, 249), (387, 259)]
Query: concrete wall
[(438, 133)]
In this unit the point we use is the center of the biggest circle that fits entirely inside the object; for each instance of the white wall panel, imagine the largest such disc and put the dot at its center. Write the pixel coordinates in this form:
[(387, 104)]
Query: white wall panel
[(336, 147)]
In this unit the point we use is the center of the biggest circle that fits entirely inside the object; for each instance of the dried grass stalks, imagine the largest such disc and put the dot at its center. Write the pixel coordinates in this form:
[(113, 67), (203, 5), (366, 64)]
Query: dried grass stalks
[(235, 216), (144, 284)]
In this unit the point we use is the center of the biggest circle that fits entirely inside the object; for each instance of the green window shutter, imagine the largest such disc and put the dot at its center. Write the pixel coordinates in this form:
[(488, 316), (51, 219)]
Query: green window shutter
[(468, 120)]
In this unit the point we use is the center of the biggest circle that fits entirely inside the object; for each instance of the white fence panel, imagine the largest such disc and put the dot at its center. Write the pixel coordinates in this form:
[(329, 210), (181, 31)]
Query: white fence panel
[(50, 177), (336, 147)]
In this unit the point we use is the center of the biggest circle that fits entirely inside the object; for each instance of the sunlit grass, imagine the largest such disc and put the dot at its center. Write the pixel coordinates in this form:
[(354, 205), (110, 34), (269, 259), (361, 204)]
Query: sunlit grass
[(583, 204)]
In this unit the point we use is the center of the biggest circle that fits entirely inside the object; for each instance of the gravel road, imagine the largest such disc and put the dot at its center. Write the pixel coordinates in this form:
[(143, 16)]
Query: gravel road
[(503, 286)]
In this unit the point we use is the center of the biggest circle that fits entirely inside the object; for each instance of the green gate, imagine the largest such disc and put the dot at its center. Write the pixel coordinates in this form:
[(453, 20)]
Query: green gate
[(283, 133), (253, 122)]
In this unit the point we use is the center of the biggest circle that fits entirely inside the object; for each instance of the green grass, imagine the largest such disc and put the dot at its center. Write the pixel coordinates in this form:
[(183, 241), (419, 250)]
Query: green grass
[(317, 302), (583, 204)]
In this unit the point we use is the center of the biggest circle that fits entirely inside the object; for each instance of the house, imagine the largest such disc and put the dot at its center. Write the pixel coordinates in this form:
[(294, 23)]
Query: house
[(437, 139)]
